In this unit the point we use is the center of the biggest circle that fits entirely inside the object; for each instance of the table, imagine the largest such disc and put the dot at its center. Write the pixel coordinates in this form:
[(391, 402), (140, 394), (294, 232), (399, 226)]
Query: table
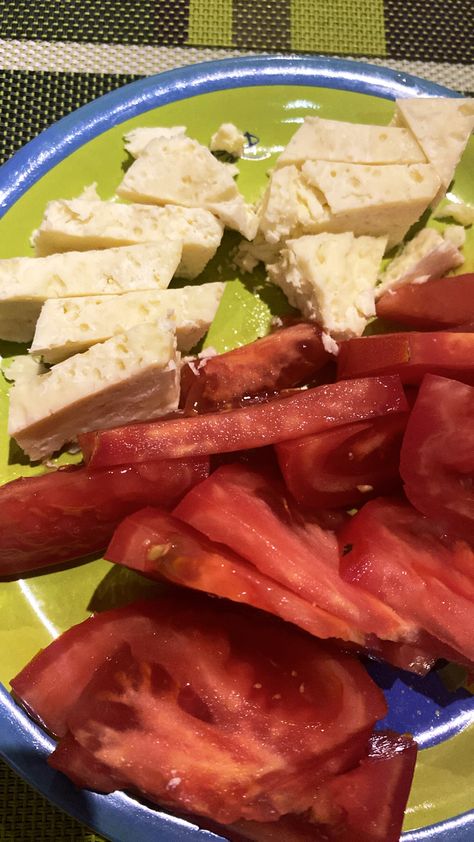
[(56, 56)]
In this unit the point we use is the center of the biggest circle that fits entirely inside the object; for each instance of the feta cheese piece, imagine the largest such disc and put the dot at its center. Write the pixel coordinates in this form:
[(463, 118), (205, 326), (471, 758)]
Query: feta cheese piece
[(456, 235), (333, 140), (331, 278), (459, 211), (249, 255), (442, 126), (228, 138), (426, 256), (68, 326), (373, 200), (27, 282), (78, 224), (291, 207), (132, 377), (136, 141), (180, 171)]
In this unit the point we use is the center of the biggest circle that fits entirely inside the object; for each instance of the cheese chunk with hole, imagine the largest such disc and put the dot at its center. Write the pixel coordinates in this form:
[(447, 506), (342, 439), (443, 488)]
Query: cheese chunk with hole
[(331, 279), (180, 171), (136, 141), (442, 126), (427, 255), (69, 325), (27, 282), (228, 138), (132, 377), (80, 225), (333, 140)]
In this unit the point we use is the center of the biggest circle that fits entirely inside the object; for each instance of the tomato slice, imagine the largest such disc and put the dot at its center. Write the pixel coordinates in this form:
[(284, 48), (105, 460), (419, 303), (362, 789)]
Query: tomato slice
[(289, 357), (397, 554), (410, 355), (253, 516), (441, 302), (68, 513), (437, 456), (308, 411), (193, 715), (163, 547), (345, 466)]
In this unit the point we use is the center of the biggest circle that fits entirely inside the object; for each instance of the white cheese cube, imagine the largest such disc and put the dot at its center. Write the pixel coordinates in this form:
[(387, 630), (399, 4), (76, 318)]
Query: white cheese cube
[(180, 171), (442, 126), (132, 377), (291, 207), (80, 225), (27, 282), (137, 140), (228, 138), (333, 140), (68, 326), (426, 256), (331, 278)]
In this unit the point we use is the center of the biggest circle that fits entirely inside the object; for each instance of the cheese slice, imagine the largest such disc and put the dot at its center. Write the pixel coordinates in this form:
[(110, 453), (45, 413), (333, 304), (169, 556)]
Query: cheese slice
[(331, 278), (27, 282), (136, 141), (68, 326), (80, 225), (333, 140), (442, 126), (427, 255), (180, 171), (132, 377)]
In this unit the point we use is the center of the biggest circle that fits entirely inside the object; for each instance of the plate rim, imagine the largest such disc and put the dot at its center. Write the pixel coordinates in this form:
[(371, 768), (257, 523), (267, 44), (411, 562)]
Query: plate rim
[(25, 745)]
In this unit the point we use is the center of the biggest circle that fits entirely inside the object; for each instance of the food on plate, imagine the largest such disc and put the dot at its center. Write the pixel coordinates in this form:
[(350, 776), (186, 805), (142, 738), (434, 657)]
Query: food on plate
[(27, 282), (461, 212), (132, 376), (68, 326), (66, 514), (427, 255), (82, 224), (437, 457), (438, 303), (180, 171), (136, 141), (331, 278), (411, 355), (228, 138)]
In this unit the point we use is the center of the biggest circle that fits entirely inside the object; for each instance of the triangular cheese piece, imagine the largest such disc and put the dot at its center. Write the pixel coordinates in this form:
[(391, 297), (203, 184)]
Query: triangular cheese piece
[(442, 127)]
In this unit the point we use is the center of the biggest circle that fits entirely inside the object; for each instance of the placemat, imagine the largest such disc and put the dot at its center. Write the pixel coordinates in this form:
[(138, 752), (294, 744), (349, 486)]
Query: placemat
[(56, 56)]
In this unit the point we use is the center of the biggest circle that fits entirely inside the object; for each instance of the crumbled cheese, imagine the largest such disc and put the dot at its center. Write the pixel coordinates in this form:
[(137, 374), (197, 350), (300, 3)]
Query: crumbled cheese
[(228, 138), (459, 211), (427, 255), (136, 141)]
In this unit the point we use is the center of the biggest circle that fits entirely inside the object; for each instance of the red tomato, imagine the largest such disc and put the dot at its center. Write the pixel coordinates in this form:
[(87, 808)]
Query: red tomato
[(252, 516), (303, 413), (437, 456), (68, 513), (345, 466), (191, 713), (289, 357), (410, 355), (444, 302), (403, 558)]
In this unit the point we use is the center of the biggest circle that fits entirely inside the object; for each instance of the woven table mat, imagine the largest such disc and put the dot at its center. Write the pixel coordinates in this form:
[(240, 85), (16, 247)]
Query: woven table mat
[(57, 56)]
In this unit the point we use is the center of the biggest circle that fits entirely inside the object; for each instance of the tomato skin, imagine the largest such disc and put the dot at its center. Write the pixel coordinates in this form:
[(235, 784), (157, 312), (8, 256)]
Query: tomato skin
[(286, 358), (394, 552), (302, 413), (410, 355), (331, 469), (437, 462), (433, 305), (66, 514)]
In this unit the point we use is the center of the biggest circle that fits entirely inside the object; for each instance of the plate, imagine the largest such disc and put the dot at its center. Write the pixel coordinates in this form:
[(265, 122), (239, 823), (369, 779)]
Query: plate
[(267, 97)]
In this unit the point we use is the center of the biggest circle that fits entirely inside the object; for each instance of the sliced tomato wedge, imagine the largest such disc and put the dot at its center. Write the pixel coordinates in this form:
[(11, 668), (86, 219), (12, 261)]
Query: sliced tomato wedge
[(410, 355), (308, 411), (405, 559), (193, 715), (437, 456), (254, 517), (345, 466), (289, 357), (163, 547), (71, 512), (436, 304)]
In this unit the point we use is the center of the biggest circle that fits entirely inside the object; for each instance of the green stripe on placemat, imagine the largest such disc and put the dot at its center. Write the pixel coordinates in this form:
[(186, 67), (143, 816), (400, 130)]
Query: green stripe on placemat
[(210, 22), (338, 26)]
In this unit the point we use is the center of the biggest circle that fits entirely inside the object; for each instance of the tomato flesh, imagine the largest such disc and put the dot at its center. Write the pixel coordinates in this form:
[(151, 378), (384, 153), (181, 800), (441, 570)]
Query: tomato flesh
[(71, 512), (437, 456), (436, 304)]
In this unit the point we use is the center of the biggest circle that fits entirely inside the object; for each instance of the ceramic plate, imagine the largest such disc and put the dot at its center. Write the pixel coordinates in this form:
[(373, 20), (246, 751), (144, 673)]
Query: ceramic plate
[(268, 98)]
